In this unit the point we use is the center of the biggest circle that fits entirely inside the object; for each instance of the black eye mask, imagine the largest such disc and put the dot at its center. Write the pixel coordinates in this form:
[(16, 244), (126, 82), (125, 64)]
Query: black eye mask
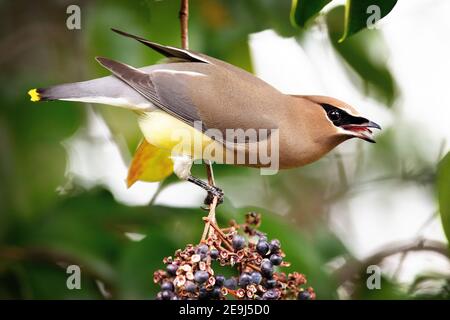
[(341, 118)]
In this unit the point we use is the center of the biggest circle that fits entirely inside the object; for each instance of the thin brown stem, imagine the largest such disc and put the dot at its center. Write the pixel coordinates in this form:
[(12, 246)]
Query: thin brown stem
[(184, 17), (354, 267), (214, 226), (184, 28), (212, 207)]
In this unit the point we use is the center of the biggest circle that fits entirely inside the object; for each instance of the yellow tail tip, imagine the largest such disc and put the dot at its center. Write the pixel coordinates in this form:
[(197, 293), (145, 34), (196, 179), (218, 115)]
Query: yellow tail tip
[(34, 95)]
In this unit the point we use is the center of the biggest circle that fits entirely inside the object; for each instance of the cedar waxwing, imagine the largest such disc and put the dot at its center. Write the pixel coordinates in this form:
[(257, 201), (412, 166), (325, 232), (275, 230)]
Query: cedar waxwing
[(179, 102)]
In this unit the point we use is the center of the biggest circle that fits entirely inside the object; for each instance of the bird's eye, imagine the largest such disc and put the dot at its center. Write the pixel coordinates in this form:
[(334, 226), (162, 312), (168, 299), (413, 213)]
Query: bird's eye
[(334, 115)]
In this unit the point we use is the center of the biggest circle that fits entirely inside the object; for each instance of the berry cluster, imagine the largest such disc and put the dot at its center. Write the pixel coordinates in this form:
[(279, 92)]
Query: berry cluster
[(190, 274)]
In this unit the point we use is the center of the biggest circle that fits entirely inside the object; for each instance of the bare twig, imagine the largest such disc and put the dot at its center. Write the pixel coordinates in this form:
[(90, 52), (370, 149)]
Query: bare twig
[(184, 17), (354, 267)]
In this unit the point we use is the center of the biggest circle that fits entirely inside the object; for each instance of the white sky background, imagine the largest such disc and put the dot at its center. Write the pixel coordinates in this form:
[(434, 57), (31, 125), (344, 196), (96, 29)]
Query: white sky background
[(417, 35)]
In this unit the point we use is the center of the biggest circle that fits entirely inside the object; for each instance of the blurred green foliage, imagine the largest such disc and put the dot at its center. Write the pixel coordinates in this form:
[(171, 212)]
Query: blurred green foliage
[(303, 10), (42, 231), (443, 191), (357, 13)]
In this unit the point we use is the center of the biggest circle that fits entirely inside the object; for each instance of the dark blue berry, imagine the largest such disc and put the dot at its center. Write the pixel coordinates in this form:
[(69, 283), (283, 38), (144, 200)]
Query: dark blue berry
[(201, 276), (216, 293), (303, 295), (220, 280), (271, 283), (166, 295), (230, 283), (262, 247), (190, 286), (202, 249), (203, 294), (245, 279), (267, 268), (172, 269), (275, 246), (238, 242), (167, 285), (271, 294), (256, 277), (276, 259), (214, 254)]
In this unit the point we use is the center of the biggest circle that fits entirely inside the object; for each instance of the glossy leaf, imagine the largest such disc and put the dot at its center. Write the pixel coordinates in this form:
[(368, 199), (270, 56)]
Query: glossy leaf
[(359, 14), (303, 10), (366, 54)]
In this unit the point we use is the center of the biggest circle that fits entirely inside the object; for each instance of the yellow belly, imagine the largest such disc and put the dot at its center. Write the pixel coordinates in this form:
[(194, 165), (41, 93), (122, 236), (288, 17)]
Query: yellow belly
[(167, 132)]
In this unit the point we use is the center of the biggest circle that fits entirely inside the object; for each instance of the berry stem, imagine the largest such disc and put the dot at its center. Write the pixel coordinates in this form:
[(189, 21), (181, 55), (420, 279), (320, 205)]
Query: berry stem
[(253, 267), (221, 234)]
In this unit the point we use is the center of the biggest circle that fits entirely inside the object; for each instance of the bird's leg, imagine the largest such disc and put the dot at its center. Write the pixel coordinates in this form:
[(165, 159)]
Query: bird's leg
[(213, 191), (182, 168)]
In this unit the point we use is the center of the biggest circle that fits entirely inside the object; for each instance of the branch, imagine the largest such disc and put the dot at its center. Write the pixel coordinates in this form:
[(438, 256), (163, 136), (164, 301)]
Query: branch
[(354, 267), (184, 17)]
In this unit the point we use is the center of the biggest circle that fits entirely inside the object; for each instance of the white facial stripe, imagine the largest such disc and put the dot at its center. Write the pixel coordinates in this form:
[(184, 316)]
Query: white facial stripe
[(117, 102), (188, 73)]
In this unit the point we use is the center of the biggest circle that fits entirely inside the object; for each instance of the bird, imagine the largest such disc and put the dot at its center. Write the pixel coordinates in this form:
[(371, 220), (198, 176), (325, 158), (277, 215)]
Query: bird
[(191, 103)]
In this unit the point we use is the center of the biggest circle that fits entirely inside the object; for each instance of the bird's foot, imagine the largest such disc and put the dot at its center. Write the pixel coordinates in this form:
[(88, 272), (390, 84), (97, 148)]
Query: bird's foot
[(214, 191)]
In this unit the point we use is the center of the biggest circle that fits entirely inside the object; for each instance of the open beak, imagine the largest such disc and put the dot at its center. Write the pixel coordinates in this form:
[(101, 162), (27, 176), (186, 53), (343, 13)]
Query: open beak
[(363, 131)]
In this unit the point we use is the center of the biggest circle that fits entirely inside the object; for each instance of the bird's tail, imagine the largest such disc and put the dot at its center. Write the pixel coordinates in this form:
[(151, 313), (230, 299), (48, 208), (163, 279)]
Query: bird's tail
[(149, 164), (107, 90), (68, 91)]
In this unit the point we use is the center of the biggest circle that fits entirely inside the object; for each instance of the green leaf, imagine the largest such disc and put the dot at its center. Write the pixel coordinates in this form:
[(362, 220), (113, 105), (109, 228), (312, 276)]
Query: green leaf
[(366, 54), (443, 190), (359, 14), (304, 10)]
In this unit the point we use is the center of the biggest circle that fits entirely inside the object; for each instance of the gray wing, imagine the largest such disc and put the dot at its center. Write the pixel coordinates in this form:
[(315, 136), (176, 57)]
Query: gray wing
[(177, 106), (168, 51)]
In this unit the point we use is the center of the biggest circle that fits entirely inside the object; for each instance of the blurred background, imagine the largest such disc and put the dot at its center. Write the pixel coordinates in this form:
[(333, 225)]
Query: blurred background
[(63, 197)]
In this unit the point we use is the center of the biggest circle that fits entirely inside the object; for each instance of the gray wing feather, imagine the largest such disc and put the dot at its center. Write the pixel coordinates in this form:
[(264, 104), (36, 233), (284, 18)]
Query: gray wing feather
[(166, 50), (142, 83)]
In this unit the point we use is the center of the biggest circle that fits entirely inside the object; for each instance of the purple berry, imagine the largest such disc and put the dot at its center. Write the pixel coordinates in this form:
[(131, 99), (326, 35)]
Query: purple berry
[(230, 283), (271, 294), (202, 249), (303, 295), (267, 268), (262, 247), (245, 279), (167, 286), (275, 246), (172, 269), (201, 276), (238, 242), (166, 295), (190, 286), (214, 254), (276, 259), (220, 280), (271, 283), (256, 277)]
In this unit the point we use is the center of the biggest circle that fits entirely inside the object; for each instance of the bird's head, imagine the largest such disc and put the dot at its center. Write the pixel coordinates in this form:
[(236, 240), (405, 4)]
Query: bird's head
[(343, 121)]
